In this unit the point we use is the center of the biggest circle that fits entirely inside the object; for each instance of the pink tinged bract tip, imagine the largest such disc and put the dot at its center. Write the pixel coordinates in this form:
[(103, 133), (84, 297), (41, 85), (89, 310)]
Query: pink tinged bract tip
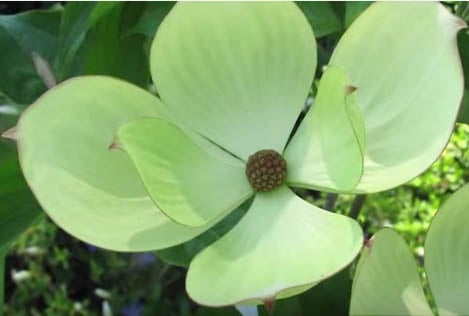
[(350, 89), (269, 305), (114, 146), (10, 134)]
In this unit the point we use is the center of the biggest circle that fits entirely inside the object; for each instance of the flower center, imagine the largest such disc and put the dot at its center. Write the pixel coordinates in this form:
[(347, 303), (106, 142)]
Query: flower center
[(266, 170)]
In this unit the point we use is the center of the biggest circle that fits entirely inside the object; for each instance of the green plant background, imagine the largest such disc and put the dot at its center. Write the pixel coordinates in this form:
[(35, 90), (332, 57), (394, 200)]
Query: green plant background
[(50, 273)]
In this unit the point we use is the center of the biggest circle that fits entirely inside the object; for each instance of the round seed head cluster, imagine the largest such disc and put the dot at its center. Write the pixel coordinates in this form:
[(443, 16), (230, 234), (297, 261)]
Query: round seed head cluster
[(266, 170)]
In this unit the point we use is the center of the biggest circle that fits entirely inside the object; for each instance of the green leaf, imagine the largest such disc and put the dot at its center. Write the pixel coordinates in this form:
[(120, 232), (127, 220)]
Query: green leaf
[(237, 73), (410, 85), (326, 152), (386, 281), (150, 20), (63, 148), (330, 297), (353, 9), (95, 40), (181, 255), (19, 209), (2, 278), (463, 116), (188, 184), (321, 16), (259, 257), (9, 114), (73, 28), (288, 306), (463, 44), (225, 311), (108, 51), (447, 255), (22, 35)]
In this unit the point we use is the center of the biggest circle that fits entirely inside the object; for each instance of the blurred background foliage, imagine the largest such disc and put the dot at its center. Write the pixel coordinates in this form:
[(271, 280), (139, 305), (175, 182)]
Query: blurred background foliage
[(50, 273)]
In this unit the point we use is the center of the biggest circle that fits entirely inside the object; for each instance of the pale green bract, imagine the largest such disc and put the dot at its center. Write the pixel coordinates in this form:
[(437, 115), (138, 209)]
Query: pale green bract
[(387, 282), (233, 78)]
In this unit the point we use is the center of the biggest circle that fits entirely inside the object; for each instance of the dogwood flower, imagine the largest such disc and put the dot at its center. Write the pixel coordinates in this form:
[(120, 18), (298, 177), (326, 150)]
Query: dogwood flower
[(232, 80)]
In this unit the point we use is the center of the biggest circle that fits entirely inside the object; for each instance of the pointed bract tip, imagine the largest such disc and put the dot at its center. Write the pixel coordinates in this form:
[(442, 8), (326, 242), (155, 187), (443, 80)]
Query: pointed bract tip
[(115, 144), (269, 305), (350, 89), (11, 134), (461, 24), (368, 242)]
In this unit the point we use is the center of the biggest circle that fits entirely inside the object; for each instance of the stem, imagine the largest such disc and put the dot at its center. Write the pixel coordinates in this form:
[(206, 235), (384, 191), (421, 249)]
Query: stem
[(357, 206), (163, 272), (331, 198)]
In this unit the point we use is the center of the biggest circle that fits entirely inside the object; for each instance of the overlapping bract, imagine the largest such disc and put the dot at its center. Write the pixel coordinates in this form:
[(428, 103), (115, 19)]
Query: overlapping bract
[(387, 280), (233, 78)]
